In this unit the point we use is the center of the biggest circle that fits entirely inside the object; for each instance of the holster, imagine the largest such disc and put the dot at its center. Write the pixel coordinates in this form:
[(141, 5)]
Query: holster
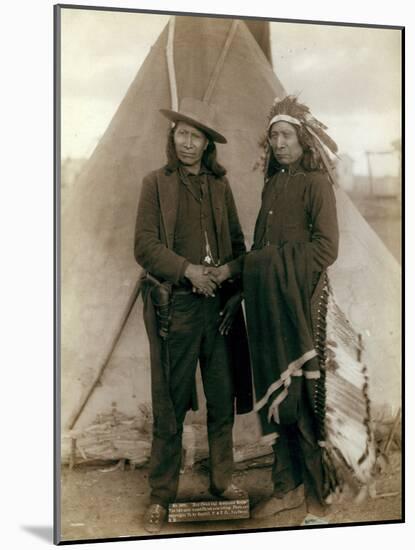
[(160, 294)]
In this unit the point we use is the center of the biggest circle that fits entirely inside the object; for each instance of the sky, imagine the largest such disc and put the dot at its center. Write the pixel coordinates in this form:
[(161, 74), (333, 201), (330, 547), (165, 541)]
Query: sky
[(349, 76)]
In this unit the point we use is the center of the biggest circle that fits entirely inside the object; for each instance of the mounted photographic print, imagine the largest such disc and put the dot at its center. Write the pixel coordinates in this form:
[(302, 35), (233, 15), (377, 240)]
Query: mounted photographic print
[(228, 274)]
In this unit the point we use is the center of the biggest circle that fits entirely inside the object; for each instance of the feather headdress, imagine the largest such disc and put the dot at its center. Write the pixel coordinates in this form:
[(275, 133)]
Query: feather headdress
[(312, 133), (290, 106)]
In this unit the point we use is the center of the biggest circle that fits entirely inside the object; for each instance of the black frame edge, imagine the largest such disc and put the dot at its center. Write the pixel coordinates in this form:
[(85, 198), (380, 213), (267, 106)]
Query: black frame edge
[(56, 273), (227, 16)]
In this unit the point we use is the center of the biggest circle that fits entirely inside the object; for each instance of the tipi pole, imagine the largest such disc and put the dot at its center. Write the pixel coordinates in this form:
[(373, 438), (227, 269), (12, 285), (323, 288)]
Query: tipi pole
[(127, 313), (221, 61), (170, 65)]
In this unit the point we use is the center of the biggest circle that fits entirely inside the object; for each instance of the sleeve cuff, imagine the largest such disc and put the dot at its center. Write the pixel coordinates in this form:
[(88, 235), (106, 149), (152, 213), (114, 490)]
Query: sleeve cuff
[(182, 278)]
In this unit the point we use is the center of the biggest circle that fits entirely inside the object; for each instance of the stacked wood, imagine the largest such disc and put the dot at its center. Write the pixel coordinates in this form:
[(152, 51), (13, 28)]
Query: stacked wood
[(117, 437), (114, 436)]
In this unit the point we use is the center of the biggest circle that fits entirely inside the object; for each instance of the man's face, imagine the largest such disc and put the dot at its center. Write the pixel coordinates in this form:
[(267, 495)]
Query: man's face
[(190, 144), (284, 142)]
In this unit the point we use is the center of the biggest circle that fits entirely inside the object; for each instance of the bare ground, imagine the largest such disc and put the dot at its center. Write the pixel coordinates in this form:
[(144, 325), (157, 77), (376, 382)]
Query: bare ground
[(99, 503)]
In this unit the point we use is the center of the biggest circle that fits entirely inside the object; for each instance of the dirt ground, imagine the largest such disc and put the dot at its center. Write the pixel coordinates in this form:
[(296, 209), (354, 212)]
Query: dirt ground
[(100, 502)]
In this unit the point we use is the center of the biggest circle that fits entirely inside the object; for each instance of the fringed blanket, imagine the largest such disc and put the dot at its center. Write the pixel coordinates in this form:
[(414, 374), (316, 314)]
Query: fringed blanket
[(278, 287)]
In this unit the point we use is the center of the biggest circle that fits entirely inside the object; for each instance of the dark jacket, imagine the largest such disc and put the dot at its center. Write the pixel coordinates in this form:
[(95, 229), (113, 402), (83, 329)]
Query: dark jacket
[(156, 220), (303, 209), (154, 238)]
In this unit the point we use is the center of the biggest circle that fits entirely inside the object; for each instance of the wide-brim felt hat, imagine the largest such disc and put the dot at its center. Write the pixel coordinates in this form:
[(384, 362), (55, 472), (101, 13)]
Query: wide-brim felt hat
[(197, 113)]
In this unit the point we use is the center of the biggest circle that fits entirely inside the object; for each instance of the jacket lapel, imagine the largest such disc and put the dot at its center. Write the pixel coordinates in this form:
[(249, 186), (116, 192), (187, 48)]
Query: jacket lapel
[(217, 194), (168, 190)]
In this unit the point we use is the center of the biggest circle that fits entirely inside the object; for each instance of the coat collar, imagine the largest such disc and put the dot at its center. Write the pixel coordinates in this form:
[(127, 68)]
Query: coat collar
[(294, 168), (168, 190)]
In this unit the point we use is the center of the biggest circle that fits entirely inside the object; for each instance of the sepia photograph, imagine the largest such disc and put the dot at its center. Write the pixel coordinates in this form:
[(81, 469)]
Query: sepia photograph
[(228, 220)]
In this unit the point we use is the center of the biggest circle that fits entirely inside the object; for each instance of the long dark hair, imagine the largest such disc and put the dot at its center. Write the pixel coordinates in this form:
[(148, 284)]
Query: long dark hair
[(208, 158), (311, 159)]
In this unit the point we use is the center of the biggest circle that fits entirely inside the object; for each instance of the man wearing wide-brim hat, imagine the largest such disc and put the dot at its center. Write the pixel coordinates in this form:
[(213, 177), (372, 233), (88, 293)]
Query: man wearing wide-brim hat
[(189, 241)]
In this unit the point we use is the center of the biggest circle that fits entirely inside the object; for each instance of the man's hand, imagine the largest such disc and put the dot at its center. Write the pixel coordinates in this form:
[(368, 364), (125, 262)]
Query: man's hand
[(227, 315), (220, 274), (201, 279)]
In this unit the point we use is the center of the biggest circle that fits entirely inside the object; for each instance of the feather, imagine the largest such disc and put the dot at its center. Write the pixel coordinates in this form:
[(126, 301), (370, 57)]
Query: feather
[(326, 139), (324, 157), (290, 105), (342, 402)]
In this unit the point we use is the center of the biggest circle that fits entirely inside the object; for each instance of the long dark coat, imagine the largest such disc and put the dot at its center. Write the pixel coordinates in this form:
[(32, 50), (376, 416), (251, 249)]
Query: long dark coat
[(153, 249)]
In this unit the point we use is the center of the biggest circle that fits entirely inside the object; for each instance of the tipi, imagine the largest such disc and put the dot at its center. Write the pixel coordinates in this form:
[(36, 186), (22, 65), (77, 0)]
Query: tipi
[(104, 349)]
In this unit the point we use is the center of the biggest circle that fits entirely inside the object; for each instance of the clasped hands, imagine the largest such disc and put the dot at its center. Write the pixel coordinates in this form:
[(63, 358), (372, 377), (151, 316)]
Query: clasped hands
[(205, 280)]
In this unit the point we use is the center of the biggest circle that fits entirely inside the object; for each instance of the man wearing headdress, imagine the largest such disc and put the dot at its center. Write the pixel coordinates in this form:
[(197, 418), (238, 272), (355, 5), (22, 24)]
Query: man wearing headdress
[(189, 240), (296, 239)]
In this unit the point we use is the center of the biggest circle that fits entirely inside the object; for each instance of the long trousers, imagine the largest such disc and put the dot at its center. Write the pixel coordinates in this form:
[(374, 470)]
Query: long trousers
[(193, 337), (298, 458)]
